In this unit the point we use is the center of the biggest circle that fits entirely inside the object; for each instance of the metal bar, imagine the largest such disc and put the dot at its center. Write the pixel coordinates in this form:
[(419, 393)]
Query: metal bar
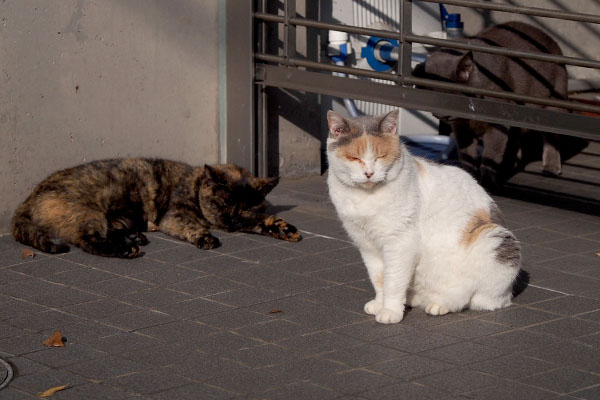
[(240, 132), (405, 51), (430, 83), (539, 12), (289, 33), (436, 102), (453, 44), (261, 105), (299, 21)]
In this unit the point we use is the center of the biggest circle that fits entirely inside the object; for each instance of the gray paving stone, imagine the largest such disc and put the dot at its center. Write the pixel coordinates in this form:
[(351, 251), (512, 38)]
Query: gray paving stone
[(591, 393), (537, 235), (463, 353), (306, 264), (575, 245), (343, 274), (274, 330), (307, 369), (12, 308), (124, 267), (147, 382), (410, 367), (179, 254), (194, 308), (9, 276), (469, 328), (93, 391), (8, 393), (567, 328), (28, 289), (592, 340), (106, 367), (137, 320), (341, 296), (80, 276), (459, 380), (201, 368), (354, 381), (163, 354), (246, 381), (320, 343), (324, 317), (513, 366), (167, 275), (571, 284), (62, 356), (511, 390), (218, 264), (517, 340), (83, 331), (13, 257), (519, 317), (100, 308), (563, 380), (22, 344), (569, 353), (365, 355), (274, 254), (263, 355), (122, 342), (116, 286), (407, 390), (64, 296), (299, 391), (179, 331), (45, 267), (40, 381), (154, 297), (569, 305), (534, 295), (224, 344), (232, 319), (206, 286), (44, 320), (193, 392), (243, 297), (413, 341), (22, 366)]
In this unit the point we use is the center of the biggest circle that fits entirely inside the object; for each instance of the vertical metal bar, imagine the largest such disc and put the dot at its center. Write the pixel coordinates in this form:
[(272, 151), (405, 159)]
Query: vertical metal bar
[(289, 34), (405, 54), (261, 105), (240, 140)]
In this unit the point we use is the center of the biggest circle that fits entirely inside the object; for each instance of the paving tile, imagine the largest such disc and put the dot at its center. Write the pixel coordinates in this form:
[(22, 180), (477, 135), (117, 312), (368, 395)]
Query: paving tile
[(533, 294), (243, 297), (592, 316), (343, 274), (274, 254), (62, 356), (167, 275), (567, 328), (517, 340), (513, 366), (8, 393), (163, 354), (180, 254), (324, 317), (469, 328), (459, 380), (147, 382), (588, 394), (178, 331), (592, 340), (23, 344), (571, 284), (511, 390), (317, 244), (352, 382), (575, 245), (8, 276), (235, 244), (320, 343), (22, 366), (224, 344), (576, 227), (537, 253), (571, 262), (8, 331), (44, 320), (13, 257), (537, 235), (100, 308), (64, 296), (365, 355), (116, 286), (346, 255), (232, 319), (83, 331), (569, 353), (407, 390), (154, 297), (341, 296), (218, 264), (106, 367), (12, 308), (246, 381), (464, 353), (413, 341), (410, 367), (206, 286), (45, 267), (136, 320), (201, 368), (563, 380), (193, 392), (194, 308), (263, 355), (307, 369), (371, 330), (126, 267), (80, 276), (273, 330), (299, 391), (307, 263), (519, 317), (122, 342), (28, 289), (43, 380), (93, 391)]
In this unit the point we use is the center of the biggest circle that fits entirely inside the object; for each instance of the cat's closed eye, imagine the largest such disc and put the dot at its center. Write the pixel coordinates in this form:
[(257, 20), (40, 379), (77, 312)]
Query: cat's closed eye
[(351, 158)]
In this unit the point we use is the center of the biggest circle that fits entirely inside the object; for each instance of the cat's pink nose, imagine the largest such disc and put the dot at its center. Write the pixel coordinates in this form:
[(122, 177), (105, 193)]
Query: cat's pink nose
[(368, 174)]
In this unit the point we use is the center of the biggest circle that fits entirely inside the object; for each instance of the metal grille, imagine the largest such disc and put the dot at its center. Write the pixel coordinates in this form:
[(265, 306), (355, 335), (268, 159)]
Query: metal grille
[(292, 72)]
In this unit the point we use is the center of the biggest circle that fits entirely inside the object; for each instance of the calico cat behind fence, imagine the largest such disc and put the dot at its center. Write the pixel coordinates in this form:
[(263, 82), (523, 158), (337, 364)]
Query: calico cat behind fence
[(104, 206), (504, 150), (429, 235)]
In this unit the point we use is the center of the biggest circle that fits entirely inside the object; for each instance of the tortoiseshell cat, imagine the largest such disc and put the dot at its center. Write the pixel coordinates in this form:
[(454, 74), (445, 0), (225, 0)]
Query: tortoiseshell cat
[(104, 206)]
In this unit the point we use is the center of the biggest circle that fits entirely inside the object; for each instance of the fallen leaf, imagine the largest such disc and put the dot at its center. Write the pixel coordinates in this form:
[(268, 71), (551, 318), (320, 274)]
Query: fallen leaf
[(56, 340), (275, 311), (51, 391), (598, 254), (27, 253), (152, 227)]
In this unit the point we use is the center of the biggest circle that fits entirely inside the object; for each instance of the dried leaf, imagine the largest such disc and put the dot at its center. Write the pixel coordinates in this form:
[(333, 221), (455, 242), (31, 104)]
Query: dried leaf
[(56, 340), (27, 253), (598, 254), (152, 227), (275, 311), (51, 391)]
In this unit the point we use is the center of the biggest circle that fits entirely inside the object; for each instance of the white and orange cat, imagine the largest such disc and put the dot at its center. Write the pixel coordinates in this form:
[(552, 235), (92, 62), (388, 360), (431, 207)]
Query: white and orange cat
[(429, 235)]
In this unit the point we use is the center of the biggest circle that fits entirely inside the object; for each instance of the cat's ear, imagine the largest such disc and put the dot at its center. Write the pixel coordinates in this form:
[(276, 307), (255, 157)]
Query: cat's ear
[(464, 69), (337, 125), (211, 176), (389, 123), (265, 185)]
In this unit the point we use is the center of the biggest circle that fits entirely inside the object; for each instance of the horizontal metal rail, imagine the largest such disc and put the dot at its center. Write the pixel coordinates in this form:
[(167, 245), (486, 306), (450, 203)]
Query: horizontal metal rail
[(538, 12), (400, 80), (492, 111), (504, 51)]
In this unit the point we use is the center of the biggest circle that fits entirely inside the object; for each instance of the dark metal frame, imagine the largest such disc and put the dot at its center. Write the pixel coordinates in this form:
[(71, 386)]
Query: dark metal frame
[(292, 72)]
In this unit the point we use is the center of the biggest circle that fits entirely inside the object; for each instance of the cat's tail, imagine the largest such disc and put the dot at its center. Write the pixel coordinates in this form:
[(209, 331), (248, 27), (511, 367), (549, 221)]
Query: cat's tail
[(27, 232)]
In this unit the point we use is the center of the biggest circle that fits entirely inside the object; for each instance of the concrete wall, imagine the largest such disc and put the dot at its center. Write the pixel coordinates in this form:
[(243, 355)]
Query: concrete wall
[(576, 39), (90, 79)]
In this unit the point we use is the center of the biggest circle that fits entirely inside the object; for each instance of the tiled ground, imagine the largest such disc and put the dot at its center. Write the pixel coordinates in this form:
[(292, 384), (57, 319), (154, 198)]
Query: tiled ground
[(263, 319)]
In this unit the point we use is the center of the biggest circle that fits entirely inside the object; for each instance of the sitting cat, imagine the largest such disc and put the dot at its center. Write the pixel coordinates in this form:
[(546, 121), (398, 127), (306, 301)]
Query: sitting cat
[(103, 206), (504, 150), (428, 234)]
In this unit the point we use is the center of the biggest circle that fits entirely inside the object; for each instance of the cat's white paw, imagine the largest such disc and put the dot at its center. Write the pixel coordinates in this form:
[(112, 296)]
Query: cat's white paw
[(436, 309), (387, 316), (372, 307)]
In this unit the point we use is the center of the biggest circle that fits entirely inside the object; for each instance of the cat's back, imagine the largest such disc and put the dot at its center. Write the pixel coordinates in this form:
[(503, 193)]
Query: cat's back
[(520, 36)]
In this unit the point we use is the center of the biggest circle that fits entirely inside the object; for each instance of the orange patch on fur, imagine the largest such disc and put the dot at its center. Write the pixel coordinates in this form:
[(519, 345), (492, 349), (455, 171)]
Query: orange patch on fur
[(378, 282), (480, 222), (421, 168), (386, 147)]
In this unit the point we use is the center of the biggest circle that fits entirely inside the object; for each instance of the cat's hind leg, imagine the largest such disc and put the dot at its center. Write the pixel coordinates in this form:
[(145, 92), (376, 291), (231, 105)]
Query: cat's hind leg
[(183, 224), (97, 238)]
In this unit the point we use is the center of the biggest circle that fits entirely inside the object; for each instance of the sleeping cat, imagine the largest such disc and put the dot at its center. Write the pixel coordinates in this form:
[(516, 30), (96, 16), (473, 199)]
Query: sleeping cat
[(504, 150), (103, 206), (428, 234)]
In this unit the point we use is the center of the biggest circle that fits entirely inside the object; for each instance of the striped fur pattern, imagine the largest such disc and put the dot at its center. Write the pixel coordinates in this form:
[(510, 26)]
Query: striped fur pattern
[(429, 235), (104, 206)]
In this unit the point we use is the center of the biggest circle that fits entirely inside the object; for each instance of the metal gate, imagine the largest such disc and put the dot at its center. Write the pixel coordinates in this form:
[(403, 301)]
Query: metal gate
[(287, 70)]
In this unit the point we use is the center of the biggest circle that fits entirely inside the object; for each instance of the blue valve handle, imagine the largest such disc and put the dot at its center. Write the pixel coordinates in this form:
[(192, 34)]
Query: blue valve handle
[(384, 52)]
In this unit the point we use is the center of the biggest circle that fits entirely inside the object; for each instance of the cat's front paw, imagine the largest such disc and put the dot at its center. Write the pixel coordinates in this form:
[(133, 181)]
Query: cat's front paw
[(207, 242), (436, 309), (282, 230), (372, 307), (387, 316)]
